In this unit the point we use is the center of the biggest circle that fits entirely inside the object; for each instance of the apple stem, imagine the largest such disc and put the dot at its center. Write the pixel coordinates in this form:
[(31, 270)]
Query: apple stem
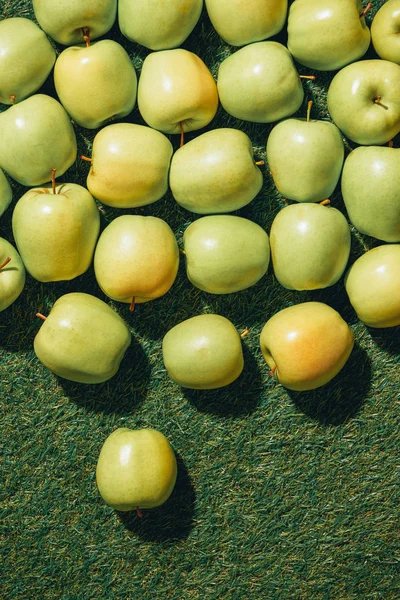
[(309, 105), (390, 144), (181, 250), (325, 202), (41, 316), (5, 262), (244, 333), (132, 304), (182, 134), (312, 77), (378, 101), (366, 9), (53, 180), (83, 157), (260, 163), (86, 35), (12, 98), (272, 371), (139, 513)]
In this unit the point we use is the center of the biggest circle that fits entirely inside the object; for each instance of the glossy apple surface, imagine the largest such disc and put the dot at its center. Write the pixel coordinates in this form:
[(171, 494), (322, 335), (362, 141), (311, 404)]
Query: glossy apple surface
[(259, 83), (26, 59), (158, 25), (371, 191), (130, 165), (136, 469), (82, 339), (225, 253), (203, 352), (96, 83), (364, 102), (215, 172), (385, 29), (64, 20), (12, 274), (5, 193), (373, 286), (241, 22), (36, 136), (306, 345)]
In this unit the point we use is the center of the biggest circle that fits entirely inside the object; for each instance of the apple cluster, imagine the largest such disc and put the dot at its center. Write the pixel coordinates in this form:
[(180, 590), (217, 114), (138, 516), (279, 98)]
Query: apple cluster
[(56, 226)]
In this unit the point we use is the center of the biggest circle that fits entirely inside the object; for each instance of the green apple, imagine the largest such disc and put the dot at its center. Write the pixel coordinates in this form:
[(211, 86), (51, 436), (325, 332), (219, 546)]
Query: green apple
[(12, 274), (327, 34), (241, 22), (385, 30), (26, 59), (5, 193), (136, 259), (215, 172), (371, 191), (364, 102), (136, 469), (65, 20), (56, 229), (158, 25), (96, 83), (306, 345), (225, 253), (259, 83), (310, 246), (82, 339), (36, 136), (305, 157), (129, 165), (373, 286), (203, 352), (176, 91)]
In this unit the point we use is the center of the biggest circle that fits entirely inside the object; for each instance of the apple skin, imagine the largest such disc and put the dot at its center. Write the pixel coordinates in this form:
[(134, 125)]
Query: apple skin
[(96, 83), (371, 191), (12, 275), (5, 193), (326, 35), (158, 25), (82, 339), (203, 352), (373, 286), (64, 20), (26, 59), (215, 172), (241, 22), (136, 469), (352, 101), (385, 30), (56, 233), (36, 135), (305, 158), (130, 165), (306, 345), (225, 253), (175, 87), (310, 246), (259, 83), (136, 257)]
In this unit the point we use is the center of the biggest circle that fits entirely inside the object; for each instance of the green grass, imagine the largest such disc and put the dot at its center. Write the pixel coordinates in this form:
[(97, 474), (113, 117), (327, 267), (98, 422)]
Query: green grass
[(280, 495)]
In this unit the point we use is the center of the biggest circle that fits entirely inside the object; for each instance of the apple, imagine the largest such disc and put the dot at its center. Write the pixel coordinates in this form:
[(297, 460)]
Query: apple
[(241, 22), (136, 469), (225, 253), (364, 102), (305, 157), (385, 30), (306, 345), (96, 83), (82, 339), (26, 59), (373, 286), (5, 193), (259, 83), (136, 259), (158, 25), (56, 229), (36, 136), (310, 246), (176, 91), (12, 274), (371, 191), (203, 352), (327, 34), (67, 20), (129, 165), (215, 172)]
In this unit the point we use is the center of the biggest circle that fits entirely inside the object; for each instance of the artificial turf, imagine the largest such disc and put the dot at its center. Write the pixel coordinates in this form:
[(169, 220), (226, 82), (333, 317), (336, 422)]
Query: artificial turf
[(280, 495)]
